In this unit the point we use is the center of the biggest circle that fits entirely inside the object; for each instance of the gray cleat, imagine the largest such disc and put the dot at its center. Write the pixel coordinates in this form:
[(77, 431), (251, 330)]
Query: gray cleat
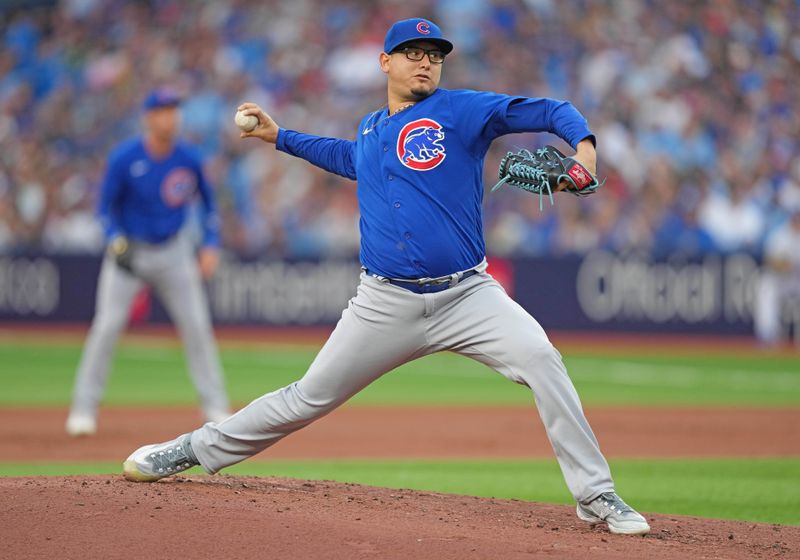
[(153, 462), (620, 517)]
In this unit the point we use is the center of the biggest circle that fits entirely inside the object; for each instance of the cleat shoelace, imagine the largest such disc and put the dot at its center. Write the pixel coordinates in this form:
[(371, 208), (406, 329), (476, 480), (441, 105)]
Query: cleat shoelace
[(615, 503), (171, 460)]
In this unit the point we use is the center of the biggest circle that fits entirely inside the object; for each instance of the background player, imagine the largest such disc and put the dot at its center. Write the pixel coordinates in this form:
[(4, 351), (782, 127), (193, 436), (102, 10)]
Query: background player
[(424, 286), (149, 184), (780, 279)]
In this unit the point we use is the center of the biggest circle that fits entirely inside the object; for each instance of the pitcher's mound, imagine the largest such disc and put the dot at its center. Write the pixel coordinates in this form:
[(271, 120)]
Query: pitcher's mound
[(241, 517)]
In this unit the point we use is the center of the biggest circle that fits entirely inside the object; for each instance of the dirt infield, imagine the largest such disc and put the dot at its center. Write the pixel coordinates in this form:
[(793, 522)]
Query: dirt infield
[(225, 517), (238, 517), (424, 432)]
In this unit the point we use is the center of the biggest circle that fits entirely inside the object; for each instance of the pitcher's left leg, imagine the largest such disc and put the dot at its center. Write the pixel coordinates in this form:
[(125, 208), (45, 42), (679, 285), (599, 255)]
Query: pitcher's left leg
[(480, 321), (488, 326)]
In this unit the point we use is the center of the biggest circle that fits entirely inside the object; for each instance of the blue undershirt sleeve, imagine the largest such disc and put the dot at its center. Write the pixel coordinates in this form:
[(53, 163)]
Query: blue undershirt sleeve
[(331, 154)]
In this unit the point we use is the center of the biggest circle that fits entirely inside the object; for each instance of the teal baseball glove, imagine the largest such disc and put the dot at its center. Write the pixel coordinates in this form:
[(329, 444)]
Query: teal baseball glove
[(543, 171)]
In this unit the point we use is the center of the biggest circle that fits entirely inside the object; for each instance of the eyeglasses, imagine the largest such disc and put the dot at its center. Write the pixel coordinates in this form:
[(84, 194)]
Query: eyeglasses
[(415, 54)]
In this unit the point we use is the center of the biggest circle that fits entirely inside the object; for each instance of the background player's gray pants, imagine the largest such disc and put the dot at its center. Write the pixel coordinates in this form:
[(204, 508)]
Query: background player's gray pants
[(772, 299), (171, 270), (385, 326)]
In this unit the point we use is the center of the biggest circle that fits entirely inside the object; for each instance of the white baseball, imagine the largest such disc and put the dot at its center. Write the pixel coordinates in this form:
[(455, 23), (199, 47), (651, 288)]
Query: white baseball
[(245, 122)]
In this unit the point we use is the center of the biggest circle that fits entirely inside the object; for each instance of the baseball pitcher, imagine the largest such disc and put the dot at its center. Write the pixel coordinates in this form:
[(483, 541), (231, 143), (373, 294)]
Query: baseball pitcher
[(149, 183), (424, 286)]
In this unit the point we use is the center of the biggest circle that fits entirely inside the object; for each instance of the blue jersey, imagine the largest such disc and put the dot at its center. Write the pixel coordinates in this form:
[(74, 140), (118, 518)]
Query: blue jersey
[(420, 174), (147, 199)]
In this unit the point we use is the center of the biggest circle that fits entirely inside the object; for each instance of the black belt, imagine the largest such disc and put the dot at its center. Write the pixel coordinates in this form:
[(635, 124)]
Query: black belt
[(430, 287)]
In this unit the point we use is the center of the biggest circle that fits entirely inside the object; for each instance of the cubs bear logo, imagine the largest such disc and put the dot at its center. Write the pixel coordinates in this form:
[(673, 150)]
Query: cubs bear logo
[(419, 145), (178, 187)]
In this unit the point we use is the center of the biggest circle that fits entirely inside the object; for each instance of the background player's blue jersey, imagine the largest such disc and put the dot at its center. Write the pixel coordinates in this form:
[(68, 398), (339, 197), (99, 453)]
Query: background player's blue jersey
[(147, 199), (420, 174)]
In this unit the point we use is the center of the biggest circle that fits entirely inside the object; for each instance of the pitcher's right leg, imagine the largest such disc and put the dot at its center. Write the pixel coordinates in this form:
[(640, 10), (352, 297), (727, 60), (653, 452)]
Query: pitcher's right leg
[(381, 329)]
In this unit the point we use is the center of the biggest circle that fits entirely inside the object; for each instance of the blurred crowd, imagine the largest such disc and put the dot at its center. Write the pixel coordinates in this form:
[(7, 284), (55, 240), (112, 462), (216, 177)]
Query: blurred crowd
[(694, 105)]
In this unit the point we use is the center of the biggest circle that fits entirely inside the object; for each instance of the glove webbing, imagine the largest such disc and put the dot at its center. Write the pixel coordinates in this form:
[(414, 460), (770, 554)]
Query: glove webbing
[(524, 176)]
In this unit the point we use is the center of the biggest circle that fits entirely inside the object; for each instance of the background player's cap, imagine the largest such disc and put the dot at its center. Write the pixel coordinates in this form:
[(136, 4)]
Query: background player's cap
[(161, 97), (415, 29)]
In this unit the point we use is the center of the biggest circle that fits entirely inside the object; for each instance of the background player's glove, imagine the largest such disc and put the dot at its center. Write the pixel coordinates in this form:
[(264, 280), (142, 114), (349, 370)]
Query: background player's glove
[(121, 250), (543, 171)]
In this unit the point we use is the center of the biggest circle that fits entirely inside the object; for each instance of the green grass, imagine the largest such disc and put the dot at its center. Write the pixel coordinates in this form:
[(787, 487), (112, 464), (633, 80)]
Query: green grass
[(142, 373), (763, 490)]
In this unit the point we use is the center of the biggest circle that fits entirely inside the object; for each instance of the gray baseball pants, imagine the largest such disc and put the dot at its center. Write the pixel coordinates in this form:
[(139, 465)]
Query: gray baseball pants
[(385, 326), (171, 270)]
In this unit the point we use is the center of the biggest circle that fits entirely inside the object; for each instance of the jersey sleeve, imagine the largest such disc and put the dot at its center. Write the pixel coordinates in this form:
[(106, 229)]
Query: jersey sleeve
[(111, 191), (331, 154), (485, 116), (540, 114), (210, 219)]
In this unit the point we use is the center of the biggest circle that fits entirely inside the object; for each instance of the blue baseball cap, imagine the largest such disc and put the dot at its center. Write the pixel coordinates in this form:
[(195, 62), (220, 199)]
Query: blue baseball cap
[(415, 29), (161, 97)]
